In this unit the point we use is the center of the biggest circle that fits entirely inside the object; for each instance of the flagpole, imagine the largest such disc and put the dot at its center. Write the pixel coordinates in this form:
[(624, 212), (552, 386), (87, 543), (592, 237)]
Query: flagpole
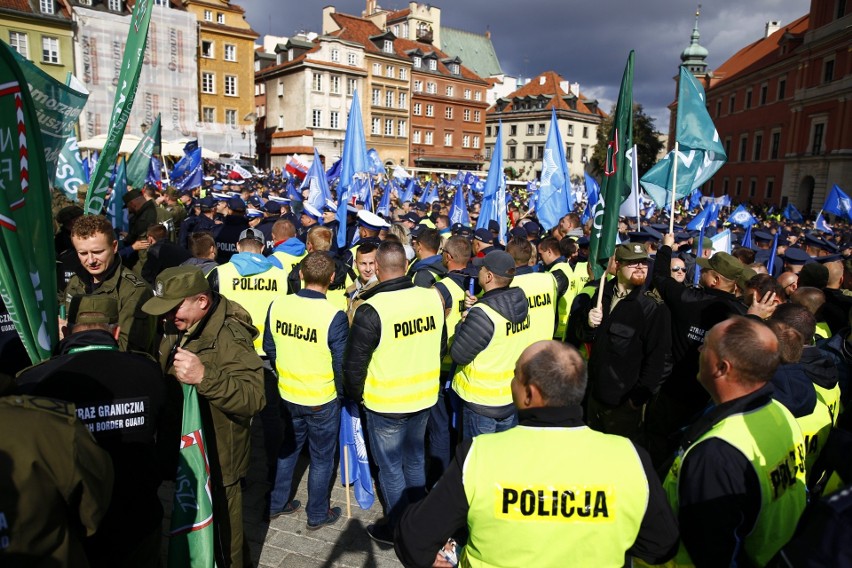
[(602, 282), (674, 189), (346, 474), (636, 185)]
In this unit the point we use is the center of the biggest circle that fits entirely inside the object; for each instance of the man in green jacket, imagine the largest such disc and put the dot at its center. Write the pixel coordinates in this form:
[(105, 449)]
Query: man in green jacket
[(208, 344)]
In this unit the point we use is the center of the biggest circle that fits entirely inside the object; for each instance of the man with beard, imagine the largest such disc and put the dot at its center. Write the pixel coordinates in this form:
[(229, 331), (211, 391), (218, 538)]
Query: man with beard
[(631, 335)]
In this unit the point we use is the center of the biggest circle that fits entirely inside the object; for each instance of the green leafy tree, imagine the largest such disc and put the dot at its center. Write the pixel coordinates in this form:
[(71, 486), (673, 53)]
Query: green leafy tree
[(645, 136)]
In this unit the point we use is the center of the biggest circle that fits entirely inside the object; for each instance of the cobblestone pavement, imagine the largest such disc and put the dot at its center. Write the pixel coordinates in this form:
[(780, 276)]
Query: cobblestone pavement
[(285, 542)]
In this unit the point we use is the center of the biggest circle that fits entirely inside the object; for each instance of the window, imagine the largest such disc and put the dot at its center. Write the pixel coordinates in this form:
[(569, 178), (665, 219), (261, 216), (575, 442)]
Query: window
[(467, 115), (430, 110), (350, 86), (776, 143), (50, 49), (487, 131), (335, 84), (748, 99), (417, 110), (220, 18), (376, 126), (417, 61), (569, 152), (377, 69), (114, 5), (585, 132), (541, 129), (334, 119), (467, 94), (539, 152), (770, 187), (403, 74), (429, 137), (316, 84), (403, 100), (208, 16), (401, 128), (280, 122), (743, 145), (466, 141), (46, 6), (448, 113), (570, 130), (840, 9), (752, 187), (816, 138), (230, 85), (316, 118), (387, 46), (208, 114), (513, 152), (415, 137), (758, 147), (404, 29), (513, 130), (477, 115), (449, 91), (530, 129), (418, 86), (352, 58), (280, 88), (18, 41), (584, 154), (828, 71), (718, 108), (728, 147), (230, 52), (764, 88), (488, 151), (208, 84), (431, 88), (732, 103), (335, 55), (389, 71), (433, 65), (739, 187), (396, 30), (725, 188), (782, 89), (528, 152), (206, 49), (377, 97), (454, 68), (476, 142), (448, 138), (389, 99), (230, 117), (477, 95)]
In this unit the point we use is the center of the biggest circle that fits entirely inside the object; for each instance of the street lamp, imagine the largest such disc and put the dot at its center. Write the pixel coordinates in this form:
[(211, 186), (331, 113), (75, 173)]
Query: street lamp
[(417, 153), (252, 118)]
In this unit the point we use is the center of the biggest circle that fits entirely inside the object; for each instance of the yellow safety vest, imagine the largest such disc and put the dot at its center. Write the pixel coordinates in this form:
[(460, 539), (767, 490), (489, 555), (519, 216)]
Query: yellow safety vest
[(815, 428), (552, 497), (254, 293), (403, 374), (299, 327), (830, 398), (563, 305), (288, 261), (540, 289), (777, 456), (822, 330), (487, 379), (581, 277), (457, 308)]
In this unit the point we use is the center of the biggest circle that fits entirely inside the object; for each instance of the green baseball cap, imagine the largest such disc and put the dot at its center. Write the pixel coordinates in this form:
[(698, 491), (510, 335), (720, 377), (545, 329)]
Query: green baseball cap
[(172, 286), (96, 308), (728, 266), (630, 251)]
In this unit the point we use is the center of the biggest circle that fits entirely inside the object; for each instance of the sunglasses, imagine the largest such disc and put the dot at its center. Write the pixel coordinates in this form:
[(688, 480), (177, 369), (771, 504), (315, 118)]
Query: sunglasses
[(679, 269)]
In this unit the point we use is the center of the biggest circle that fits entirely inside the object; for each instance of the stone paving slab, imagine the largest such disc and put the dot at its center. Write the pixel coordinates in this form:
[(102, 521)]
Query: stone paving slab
[(286, 541)]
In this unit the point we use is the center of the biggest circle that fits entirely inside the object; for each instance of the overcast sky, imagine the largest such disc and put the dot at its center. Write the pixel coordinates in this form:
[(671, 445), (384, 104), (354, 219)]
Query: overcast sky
[(584, 41)]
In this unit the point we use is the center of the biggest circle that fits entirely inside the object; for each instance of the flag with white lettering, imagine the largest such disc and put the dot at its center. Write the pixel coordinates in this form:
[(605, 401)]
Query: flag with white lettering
[(139, 164), (191, 534), (125, 93), (69, 169)]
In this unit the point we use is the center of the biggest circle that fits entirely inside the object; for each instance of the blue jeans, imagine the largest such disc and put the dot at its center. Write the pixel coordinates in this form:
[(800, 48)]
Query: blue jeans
[(442, 435), (476, 424), (398, 448), (319, 425)]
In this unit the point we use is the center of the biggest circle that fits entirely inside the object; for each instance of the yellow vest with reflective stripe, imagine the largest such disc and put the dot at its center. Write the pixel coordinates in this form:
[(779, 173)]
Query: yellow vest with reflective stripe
[(403, 373), (563, 305), (778, 460), (815, 428), (487, 379), (830, 398), (456, 308), (540, 289), (552, 497), (288, 261), (254, 293), (822, 330), (299, 327), (581, 277)]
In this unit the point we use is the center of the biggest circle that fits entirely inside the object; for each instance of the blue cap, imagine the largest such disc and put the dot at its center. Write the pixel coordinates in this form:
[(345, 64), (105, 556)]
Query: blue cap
[(828, 258), (236, 204), (207, 202), (762, 236), (252, 213), (583, 241), (532, 228), (519, 232), (483, 235), (272, 207), (796, 256)]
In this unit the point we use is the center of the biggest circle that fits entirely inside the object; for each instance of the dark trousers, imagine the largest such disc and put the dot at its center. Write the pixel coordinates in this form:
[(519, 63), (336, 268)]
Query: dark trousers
[(622, 420)]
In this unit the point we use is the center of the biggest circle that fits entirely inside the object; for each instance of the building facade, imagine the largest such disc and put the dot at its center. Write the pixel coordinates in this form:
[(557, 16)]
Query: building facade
[(525, 116), (41, 31)]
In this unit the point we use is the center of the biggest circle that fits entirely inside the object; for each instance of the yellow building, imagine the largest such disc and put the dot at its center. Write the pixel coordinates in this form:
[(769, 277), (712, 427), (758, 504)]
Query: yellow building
[(225, 74), (42, 32)]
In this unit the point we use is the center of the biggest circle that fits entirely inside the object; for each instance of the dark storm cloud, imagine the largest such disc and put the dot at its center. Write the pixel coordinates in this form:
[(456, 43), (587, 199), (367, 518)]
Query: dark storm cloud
[(587, 42)]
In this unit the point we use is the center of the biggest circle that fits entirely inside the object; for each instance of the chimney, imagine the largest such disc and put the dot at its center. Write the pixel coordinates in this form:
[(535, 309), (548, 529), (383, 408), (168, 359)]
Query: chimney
[(541, 80), (565, 86), (487, 34), (771, 27), (575, 88)]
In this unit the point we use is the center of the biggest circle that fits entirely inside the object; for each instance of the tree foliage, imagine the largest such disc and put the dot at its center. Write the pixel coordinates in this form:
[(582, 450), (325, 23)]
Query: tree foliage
[(645, 137)]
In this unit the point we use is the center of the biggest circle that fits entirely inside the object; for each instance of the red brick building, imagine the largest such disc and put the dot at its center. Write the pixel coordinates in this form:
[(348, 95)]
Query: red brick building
[(781, 107)]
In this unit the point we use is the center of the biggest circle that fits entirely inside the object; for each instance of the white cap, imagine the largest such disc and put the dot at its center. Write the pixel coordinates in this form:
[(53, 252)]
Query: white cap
[(371, 220)]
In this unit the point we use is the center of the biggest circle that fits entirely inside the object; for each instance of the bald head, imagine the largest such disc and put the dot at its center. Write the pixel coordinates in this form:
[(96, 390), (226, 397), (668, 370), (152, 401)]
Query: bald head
[(789, 281), (549, 373)]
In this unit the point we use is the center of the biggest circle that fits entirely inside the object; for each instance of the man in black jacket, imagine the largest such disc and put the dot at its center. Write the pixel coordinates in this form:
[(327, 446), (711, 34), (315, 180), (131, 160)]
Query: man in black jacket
[(631, 335)]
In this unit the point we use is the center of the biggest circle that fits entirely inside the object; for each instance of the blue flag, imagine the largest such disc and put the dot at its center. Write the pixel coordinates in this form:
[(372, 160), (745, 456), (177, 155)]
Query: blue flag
[(821, 225), (838, 203), (695, 198), (408, 195), (593, 191), (700, 151), (155, 171), (697, 273), (747, 242), (376, 166), (742, 217), (792, 214), (384, 204), (554, 199), (458, 210), (293, 194), (333, 172), (318, 193), (770, 266), (702, 220), (188, 172), (353, 163), (352, 443), (494, 193)]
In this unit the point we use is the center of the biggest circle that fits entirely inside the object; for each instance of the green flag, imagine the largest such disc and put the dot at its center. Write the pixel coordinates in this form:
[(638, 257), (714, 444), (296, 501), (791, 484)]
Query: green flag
[(27, 279), (615, 188), (69, 171), (191, 534), (140, 161), (128, 81)]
